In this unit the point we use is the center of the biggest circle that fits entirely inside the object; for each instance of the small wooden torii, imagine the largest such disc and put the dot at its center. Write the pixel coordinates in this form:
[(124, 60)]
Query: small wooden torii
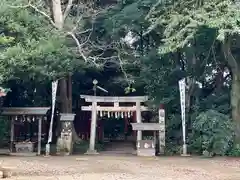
[(95, 108)]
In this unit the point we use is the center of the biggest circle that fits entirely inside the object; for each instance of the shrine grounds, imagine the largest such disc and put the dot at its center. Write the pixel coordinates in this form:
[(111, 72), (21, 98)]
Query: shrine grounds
[(112, 167)]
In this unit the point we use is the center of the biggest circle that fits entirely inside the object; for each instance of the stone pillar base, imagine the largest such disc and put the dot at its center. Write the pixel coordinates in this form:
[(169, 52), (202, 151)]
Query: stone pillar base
[(91, 152), (65, 141), (47, 151), (65, 144)]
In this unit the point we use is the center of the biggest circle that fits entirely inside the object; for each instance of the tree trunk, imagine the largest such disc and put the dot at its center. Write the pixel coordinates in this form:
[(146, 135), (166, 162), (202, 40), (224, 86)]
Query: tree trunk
[(65, 83), (57, 13), (235, 103), (64, 97), (69, 93), (76, 138), (235, 89)]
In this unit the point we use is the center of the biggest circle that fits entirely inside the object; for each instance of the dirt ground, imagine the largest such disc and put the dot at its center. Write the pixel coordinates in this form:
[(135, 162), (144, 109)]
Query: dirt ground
[(109, 167)]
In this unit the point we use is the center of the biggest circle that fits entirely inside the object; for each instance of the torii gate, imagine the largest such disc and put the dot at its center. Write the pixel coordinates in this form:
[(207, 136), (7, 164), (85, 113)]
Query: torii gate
[(116, 108)]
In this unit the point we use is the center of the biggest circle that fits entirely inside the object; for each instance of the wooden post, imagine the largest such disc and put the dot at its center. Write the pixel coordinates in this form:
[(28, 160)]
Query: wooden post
[(162, 132), (139, 119), (39, 135), (12, 134), (126, 127)]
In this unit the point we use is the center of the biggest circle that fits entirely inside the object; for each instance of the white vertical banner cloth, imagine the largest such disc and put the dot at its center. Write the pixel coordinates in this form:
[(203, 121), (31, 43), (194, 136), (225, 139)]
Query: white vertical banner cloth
[(182, 89), (54, 95)]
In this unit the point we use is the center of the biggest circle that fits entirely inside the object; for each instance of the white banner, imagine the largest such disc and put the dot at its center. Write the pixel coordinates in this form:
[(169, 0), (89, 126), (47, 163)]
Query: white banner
[(54, 94), (182, 89)]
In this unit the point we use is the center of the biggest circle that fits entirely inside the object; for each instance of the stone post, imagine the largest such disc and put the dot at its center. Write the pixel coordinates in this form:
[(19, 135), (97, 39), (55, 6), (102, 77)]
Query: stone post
[(12, 134), (92, 149), (39, 135), (162, 131), (65, 142), (139, 120)]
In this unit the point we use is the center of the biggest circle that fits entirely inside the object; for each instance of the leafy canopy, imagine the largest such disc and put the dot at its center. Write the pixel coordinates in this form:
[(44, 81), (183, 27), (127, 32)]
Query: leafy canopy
[(30, 47), (181, 20)]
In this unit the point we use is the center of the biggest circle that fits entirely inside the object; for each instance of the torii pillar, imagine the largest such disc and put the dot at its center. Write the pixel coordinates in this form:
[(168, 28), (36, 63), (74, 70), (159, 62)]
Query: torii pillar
[(92, 149), (139, 119)]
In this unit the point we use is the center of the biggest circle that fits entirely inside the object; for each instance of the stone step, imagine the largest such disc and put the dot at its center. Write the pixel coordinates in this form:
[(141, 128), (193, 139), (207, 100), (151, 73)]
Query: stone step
[(4, 152), (119, 147)]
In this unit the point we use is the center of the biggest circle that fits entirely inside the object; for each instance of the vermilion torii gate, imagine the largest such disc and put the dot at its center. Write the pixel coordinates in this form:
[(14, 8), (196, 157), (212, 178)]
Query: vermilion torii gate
[(95, 108)]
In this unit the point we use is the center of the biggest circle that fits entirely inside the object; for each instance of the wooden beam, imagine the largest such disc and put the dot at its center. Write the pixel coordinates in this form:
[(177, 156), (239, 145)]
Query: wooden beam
[(114, 99), (114, 109), (24, 111), (148, 127)]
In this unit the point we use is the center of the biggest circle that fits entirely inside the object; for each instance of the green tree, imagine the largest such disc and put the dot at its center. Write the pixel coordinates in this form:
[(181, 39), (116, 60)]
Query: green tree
[(33, 49), (178, 39), (53, 40), (209, 29)]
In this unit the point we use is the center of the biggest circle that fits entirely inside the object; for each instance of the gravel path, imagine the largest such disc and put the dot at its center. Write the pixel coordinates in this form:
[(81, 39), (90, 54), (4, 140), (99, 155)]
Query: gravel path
[(109, 167)]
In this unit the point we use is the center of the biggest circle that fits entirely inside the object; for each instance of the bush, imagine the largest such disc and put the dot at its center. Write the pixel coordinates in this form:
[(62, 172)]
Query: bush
[(235, 151), (173, 134), (212, 132)]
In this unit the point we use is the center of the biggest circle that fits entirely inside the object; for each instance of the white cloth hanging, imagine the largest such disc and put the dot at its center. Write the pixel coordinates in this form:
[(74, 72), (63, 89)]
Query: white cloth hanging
[(129, 114)]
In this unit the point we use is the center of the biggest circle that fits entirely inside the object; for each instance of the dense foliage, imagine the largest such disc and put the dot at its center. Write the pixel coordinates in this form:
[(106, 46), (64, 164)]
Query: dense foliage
[(187, 39), (29, 45), (212, 132)]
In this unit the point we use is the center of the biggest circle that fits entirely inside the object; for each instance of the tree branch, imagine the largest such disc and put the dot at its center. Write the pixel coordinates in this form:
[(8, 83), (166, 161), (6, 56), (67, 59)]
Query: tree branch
[(67, 10), (44, 14), (29, 5), (78, 45), (75, 27)]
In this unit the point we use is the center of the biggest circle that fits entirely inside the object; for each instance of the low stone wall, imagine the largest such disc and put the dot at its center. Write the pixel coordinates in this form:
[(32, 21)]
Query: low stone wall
[(24, 147)]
